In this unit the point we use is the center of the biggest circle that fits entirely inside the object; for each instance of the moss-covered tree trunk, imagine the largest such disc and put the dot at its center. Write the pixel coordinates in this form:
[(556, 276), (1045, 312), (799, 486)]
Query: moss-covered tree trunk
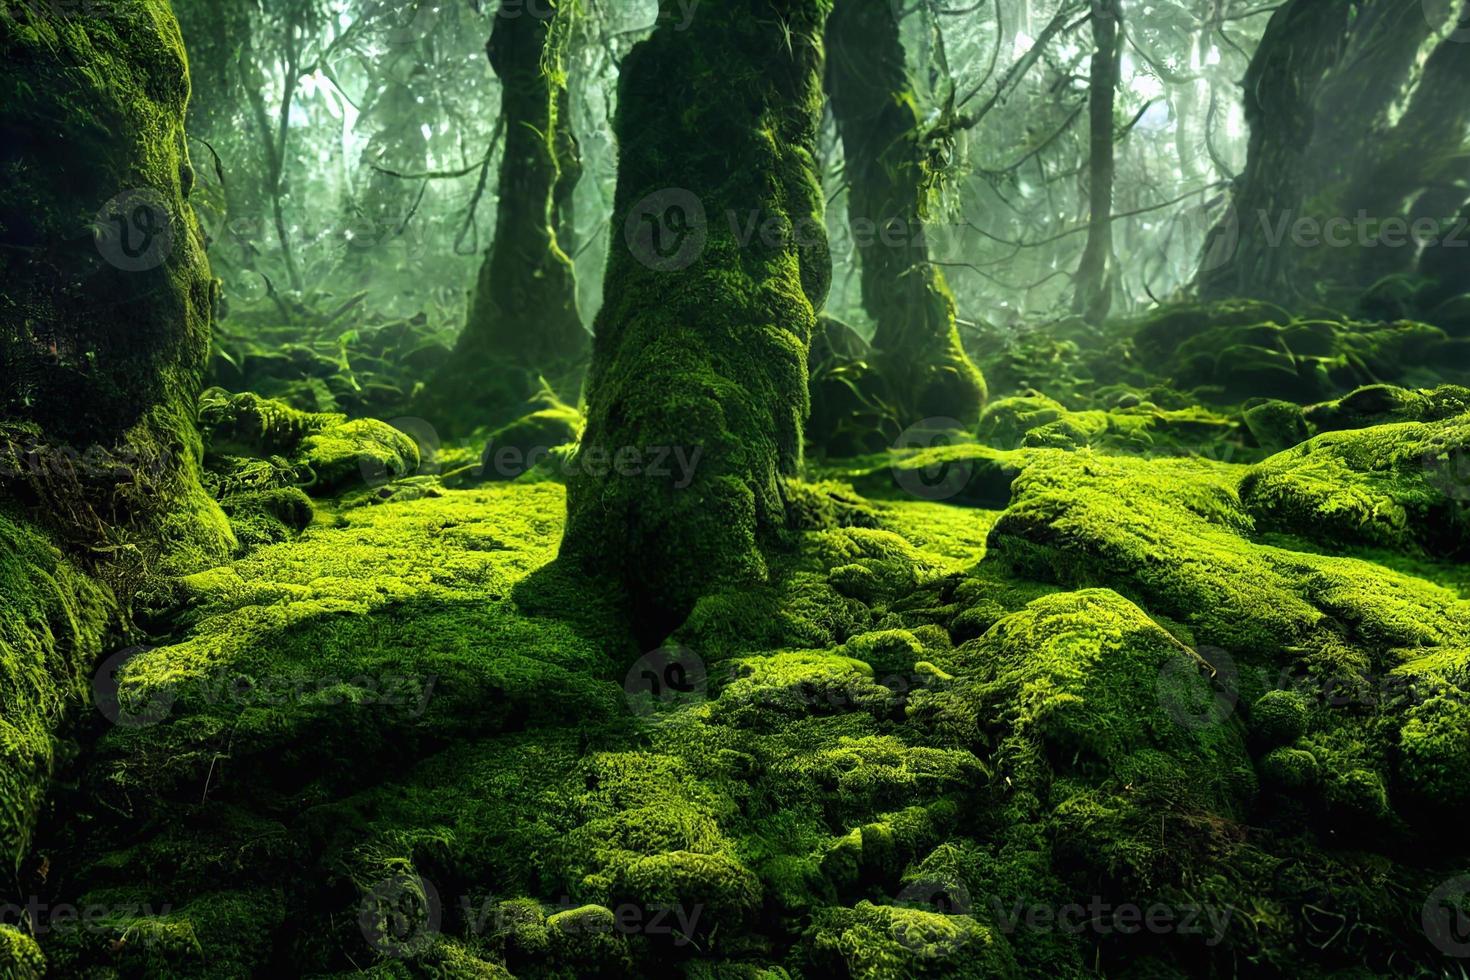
[(1248, 254), (888, 172), (104, 331), (720, 262), (1425, 147), (524, 308), (1097, 273)]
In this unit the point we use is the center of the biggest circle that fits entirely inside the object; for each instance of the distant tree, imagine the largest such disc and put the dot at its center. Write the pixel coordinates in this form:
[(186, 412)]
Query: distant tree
[(890, 174), (1097, 273)]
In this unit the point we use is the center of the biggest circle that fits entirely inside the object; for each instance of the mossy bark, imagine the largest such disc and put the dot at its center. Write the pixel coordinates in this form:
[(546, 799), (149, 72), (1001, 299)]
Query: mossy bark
[(889, 177), (525, 304), (1304, 41), (105, 319), (701, 345), (104, 331)]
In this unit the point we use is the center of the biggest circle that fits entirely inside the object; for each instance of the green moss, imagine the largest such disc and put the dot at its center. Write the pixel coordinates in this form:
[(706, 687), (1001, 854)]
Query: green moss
[(1393, 486), (1278, 718), (20, 957), (882, 942), (53, 620), (108, 354), (710, 356)]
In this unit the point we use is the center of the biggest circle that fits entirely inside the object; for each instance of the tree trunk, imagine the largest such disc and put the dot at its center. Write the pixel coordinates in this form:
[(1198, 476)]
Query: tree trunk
[(701, 346), (1429, 136), (104, 333), (889, 175), (1243, 256), (1098, 270), (525, 306)]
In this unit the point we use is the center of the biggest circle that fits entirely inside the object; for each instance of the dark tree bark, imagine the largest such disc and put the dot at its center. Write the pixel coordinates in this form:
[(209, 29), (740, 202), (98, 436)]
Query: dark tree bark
[(918, 352), (1304, 41), (525, 305), (1097, 273), (720, 262), (1429, 137), (104, 332)]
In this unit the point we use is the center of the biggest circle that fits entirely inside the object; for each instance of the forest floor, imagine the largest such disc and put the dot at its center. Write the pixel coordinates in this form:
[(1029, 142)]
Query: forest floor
[(1116, 690)]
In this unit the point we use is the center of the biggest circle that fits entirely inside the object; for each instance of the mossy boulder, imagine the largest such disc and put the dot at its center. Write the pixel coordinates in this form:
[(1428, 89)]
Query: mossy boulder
[(1404, 486)]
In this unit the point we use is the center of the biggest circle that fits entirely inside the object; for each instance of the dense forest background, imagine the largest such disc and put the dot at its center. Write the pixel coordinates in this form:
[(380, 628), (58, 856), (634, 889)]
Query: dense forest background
[(734, 489)]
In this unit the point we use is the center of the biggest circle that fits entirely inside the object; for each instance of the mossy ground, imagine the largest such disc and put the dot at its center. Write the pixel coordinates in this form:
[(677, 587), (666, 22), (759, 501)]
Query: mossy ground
[(1111, 708)]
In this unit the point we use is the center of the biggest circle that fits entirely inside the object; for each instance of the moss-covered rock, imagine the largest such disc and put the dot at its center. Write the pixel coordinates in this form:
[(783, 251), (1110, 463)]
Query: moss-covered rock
[(1404, 486)]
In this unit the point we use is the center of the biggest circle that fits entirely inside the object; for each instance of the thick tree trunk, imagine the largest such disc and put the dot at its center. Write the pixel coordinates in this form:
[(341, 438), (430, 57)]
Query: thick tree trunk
[(919, 354), (720, 262), (1098, 270), (525, 305), (1402, 163), (104, 331), (1244, 256)]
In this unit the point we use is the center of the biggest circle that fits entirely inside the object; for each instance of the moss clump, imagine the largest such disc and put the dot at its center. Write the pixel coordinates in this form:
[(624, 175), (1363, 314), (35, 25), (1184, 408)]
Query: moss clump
[(708, 354), (1276, 425), (20, 957), (1278, 718), (1382, 404), (259, 444), (1236, 351), (1401, 486), (53, 620), (1040, 422), (884, 942)]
